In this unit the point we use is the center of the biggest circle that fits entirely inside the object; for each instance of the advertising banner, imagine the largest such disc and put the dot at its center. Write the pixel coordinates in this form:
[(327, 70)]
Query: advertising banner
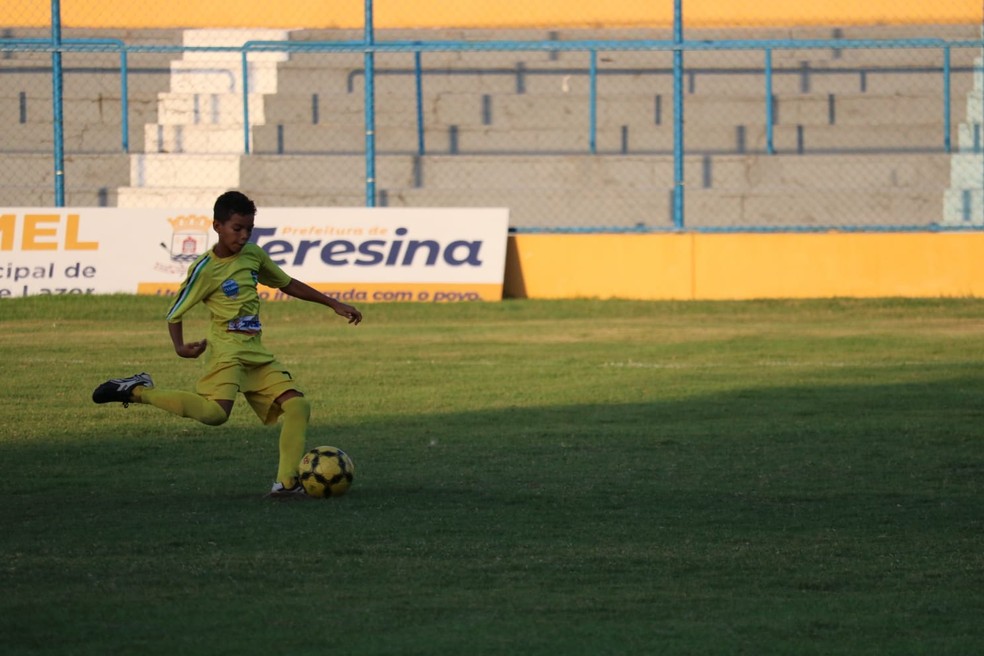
[(353, 254)]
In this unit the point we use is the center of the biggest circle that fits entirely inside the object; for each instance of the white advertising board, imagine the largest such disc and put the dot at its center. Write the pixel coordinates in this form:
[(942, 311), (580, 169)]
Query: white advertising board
[(354, 254)]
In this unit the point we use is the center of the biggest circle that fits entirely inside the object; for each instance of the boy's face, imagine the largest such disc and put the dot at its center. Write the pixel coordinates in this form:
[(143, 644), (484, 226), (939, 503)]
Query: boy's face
[(233, 234)]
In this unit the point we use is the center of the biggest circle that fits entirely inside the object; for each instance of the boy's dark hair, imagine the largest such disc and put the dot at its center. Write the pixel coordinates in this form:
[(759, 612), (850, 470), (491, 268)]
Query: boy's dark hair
[(232, 202)]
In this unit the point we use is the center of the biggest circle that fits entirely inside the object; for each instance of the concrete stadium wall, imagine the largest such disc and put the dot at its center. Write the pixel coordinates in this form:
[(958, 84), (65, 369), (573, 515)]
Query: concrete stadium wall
[(697, 266), (501, 14)]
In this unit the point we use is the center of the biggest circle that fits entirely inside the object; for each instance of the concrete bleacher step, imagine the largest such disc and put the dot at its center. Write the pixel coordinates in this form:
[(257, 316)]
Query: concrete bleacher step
[(863, 110), (963, 200), (820, 139), (82, 82), (813, 208), (508, 126), (328, 139), (967, 170), (971, 136), (963, 207), (530, 111), (706, 208), (272, 180), (215, 139), (899, 171), (42, 196), (199, 137), (189, 170), (203, 71), (231, 37), (301, 174), (201, 76), (696, 34), (543, 172), (345, 108), (325, 139), (716, 72), (314, 108), (786, 139), (399, 81), (655, 77), (975, 105), (89, 111), (793, 172), (922, 172), (85, 170), (203, 197), (90, 179), (208, 108), (564, 207), (483, 112), (76, 138)]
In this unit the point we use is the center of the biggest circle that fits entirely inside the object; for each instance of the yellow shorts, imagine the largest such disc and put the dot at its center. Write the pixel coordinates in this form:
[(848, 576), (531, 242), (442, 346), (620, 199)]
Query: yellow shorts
[(255, 373)]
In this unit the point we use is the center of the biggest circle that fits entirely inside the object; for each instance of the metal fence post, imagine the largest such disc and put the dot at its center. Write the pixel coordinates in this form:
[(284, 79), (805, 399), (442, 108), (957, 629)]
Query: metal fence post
[(125, 97), (593, 100), (947, 145), (370, 108), (245, 89), (678, 114), (418, 70), (770, 144), (56, 101)]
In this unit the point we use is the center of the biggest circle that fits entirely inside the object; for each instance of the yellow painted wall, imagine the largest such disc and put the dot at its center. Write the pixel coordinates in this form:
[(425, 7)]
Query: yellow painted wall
[(488, 13), (743, 266)]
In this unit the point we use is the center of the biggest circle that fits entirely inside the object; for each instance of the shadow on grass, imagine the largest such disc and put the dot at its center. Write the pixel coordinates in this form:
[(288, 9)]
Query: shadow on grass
[(757, 511), (906, 436)]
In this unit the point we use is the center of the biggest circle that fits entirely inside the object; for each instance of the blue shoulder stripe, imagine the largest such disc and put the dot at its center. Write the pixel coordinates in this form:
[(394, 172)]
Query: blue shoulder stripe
[(192, 279)]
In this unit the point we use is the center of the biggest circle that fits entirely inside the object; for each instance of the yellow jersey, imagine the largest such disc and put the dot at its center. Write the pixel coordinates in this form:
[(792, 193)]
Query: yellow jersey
[(227, 286)]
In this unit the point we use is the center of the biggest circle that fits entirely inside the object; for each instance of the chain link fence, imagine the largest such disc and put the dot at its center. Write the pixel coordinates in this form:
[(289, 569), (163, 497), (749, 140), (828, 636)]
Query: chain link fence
[(575, 116)]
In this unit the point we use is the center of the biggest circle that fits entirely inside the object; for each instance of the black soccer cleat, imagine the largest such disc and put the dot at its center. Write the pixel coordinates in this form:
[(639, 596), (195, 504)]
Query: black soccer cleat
[(120, 390)]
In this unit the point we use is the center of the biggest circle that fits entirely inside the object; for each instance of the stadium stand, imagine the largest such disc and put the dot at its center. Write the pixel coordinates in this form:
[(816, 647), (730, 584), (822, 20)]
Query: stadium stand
[(857, 128)]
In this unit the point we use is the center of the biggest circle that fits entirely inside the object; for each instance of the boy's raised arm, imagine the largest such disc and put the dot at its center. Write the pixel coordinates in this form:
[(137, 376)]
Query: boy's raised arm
[(305, 292)]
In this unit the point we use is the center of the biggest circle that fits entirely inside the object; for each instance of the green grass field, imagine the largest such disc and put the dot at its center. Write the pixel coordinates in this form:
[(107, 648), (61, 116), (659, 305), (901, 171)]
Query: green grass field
[(577, 477)]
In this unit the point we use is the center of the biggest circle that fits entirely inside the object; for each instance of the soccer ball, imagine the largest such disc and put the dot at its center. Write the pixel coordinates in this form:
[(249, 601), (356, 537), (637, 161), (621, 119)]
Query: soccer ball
[(326, 472)]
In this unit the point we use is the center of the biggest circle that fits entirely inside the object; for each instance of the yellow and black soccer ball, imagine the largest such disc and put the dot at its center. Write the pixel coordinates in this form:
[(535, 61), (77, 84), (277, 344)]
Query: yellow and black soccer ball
[(326, 472)]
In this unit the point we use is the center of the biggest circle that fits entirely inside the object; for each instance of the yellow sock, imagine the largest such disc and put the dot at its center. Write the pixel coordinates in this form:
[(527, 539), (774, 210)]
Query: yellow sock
[(183, 404), (293, 435)]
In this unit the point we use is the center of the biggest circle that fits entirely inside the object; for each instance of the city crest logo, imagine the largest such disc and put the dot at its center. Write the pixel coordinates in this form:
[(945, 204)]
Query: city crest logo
[(190, 237)]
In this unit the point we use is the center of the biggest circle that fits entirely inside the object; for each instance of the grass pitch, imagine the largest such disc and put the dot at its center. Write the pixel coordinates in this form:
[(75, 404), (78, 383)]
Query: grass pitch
[(578, 477)]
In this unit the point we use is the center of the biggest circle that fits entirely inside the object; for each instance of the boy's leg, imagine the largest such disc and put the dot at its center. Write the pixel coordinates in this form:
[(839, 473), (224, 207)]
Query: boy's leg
[(272, 392), (293, 435), (185, 404), (139, 388)]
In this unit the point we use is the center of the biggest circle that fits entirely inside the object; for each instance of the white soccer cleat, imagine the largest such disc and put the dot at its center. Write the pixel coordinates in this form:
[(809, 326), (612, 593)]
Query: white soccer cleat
[(279, 491)]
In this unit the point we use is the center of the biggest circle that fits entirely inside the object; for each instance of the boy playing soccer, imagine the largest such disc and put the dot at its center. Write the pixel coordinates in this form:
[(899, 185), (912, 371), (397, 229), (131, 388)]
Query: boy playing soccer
[(224, 279)]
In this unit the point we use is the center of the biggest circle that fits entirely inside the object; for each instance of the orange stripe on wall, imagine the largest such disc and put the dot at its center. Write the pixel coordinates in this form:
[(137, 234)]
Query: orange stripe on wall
[(745, 266), (502, 13), (600, 266)]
